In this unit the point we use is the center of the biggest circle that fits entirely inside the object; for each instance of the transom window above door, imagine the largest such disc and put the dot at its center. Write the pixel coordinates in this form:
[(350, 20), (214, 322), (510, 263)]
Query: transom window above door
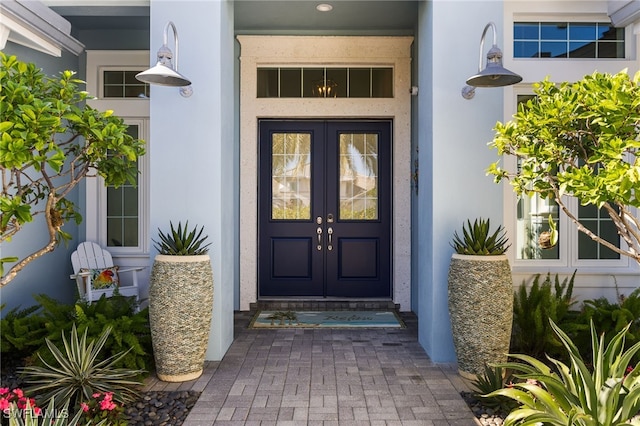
[(314, 82)]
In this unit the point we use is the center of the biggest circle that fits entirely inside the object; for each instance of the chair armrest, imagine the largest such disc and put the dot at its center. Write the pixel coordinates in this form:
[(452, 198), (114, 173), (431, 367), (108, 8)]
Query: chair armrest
[(136, 269)]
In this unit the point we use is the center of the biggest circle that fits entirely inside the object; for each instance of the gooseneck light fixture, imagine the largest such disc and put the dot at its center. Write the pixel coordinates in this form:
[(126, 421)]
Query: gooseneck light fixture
[(494, 74), (164, 73)]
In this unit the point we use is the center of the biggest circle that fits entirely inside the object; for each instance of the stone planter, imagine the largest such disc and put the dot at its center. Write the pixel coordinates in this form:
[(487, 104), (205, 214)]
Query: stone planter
[(481, 310), (180, 310)]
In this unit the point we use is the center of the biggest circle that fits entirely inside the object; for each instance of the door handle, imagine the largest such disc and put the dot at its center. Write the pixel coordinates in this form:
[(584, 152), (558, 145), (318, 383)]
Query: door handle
[(319, 232), (329, 234)]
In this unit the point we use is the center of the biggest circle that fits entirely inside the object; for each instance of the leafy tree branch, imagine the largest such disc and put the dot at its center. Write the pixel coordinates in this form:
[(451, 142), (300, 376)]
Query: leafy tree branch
[(50, 140), (579, 140)]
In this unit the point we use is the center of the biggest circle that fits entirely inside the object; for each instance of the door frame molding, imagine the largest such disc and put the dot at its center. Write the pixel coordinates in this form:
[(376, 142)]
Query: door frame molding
[(261, 51)]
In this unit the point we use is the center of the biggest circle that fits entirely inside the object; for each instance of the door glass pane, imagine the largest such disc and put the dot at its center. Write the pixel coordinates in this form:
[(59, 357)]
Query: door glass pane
[(122, 211), (358, 176), (291, 176)]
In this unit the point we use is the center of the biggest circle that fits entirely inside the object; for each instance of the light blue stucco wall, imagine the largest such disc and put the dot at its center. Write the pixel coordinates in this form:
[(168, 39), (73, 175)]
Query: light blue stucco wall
[(192, 148), (50, 273), (452, 136)]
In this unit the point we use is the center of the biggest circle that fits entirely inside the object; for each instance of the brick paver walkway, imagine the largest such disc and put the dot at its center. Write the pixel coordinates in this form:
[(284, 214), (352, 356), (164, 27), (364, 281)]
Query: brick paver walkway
[(326, 377)]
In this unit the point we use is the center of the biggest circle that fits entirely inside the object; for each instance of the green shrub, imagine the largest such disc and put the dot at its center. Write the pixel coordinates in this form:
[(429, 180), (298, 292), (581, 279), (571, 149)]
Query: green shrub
[(601, 392), (533, 307), (79, 372), (25, 331), (20, 332), (611, 318)]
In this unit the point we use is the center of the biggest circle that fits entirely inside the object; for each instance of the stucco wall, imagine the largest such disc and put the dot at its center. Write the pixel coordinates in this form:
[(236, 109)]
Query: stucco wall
[(193, 172)]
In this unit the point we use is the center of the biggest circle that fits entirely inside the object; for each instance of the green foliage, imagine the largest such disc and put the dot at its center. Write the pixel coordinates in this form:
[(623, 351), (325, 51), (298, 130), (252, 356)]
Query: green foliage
[(24, 332), (611, 317), (579, 139), (532, 310), (182, 242), (19, 329), (493, 379), (477, 241), (50, 140), (603, 394), (79, 372)]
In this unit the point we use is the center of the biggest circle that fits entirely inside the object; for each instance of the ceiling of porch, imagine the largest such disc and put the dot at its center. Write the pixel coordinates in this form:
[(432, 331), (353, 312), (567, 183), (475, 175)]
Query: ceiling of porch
[(379, 17)]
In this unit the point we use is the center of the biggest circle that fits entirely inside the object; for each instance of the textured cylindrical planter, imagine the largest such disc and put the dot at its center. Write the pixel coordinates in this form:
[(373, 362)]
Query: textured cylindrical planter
[(180, 309), (481, 310)]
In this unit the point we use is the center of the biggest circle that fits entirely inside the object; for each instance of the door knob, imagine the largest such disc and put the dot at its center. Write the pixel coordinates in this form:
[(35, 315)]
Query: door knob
[(329, 234)]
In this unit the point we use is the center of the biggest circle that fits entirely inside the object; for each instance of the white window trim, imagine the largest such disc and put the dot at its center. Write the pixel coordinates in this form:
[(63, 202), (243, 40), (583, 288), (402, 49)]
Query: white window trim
[(133, 111)]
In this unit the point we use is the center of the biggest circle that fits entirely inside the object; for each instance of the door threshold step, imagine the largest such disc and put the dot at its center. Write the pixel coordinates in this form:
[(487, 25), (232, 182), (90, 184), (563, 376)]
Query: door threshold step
[(323, 305)]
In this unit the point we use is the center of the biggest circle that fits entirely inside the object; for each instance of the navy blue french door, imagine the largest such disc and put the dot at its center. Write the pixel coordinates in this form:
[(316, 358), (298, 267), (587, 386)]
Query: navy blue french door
[(324, 220)]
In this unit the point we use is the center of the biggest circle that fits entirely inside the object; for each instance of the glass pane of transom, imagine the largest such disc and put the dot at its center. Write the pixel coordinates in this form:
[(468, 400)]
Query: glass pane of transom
[(360, 82), (291, 176), (381, 82), (290, 82), (358, 176)]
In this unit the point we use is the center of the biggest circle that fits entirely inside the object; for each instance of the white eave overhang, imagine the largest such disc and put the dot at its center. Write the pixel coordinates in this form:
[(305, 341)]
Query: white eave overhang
[(32, 24), (624, 12)]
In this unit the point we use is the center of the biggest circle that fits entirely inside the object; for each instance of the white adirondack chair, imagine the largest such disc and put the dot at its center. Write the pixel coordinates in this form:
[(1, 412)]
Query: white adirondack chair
[(90, 263)]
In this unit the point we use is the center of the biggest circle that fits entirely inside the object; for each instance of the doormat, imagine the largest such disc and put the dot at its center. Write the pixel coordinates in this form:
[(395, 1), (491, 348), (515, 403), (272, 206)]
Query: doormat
[(326, 319)]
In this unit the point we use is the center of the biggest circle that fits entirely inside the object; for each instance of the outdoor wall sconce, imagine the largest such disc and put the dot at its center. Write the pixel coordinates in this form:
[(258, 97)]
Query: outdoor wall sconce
[(494, 74), (163, 73)]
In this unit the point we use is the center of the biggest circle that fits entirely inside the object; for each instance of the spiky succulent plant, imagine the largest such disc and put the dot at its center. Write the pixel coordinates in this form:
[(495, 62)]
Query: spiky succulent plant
[(182, 242), (477, 239)]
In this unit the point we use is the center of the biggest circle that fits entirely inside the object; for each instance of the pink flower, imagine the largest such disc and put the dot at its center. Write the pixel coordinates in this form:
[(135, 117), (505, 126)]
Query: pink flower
[(18, 393), (4, 391), (106, 404), (37, 410), (96, 395), (22, 403), (4, 404), (84, 407)]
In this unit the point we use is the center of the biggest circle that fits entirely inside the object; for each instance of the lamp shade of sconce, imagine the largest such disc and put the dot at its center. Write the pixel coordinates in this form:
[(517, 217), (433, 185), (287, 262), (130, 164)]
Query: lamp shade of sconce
[(164, 73), (494, 74)]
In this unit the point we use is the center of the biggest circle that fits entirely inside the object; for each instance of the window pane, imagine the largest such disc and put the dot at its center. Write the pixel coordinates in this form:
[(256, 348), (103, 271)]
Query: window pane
[(291, 176), (553, 31), (526, 49), (381, 83), (526, 30), (339, 77), (290, 82), (610, 49), (358, 176), (582, 49), (359, 82), (553, 49), (582, 31), (122, 211), (598, 222), (113, 77), (267, 82), (533, 219), (314, 83)]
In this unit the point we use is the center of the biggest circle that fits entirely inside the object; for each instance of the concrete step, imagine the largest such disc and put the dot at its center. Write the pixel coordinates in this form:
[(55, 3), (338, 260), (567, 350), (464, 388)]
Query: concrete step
[(323, 305)]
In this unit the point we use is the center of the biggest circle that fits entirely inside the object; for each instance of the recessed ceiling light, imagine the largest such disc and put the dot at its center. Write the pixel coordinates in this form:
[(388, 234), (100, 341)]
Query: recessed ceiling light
[(324, 7)]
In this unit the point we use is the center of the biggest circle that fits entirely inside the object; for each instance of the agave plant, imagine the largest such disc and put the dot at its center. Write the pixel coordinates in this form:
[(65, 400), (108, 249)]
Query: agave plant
[(477, 240), (79, 372), (605, 394), (494, 378), (181, 241)]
